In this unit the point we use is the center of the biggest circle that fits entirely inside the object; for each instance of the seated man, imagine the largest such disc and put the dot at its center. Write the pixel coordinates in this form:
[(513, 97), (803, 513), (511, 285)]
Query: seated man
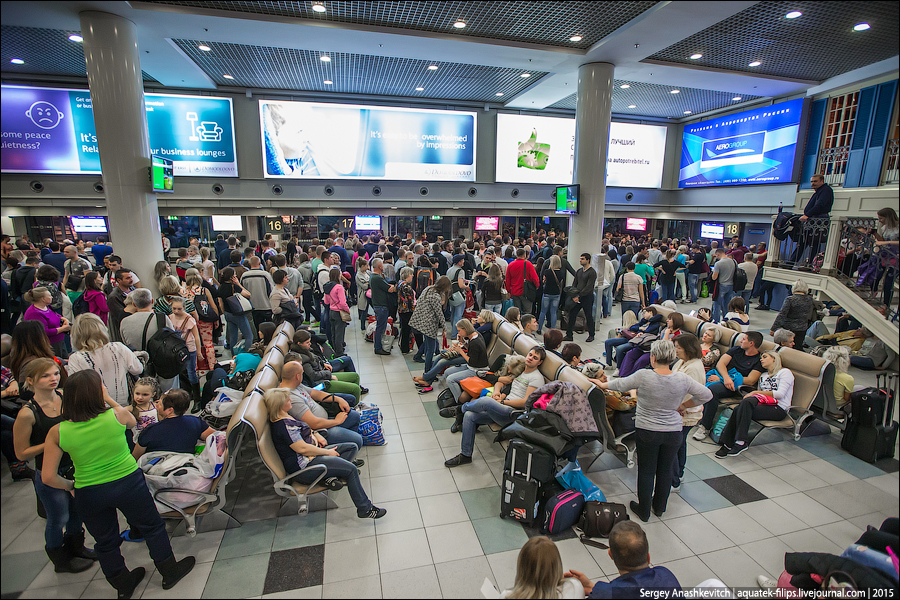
[(306, 407), (618, 346), (630, 551), (498, 407), (175, 431)]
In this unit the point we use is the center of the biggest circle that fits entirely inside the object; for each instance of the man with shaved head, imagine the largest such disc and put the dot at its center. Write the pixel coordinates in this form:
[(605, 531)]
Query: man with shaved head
[(74, 270), (306, 406)]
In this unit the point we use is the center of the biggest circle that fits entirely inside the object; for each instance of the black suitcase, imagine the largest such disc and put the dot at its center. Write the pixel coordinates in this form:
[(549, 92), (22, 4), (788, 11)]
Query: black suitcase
[(871, 432), (520, 498), (522, 455)]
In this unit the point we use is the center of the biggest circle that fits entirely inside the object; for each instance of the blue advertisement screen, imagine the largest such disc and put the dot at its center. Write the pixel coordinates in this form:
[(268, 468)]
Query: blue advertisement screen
[(49, 130), (308, 140), (750, 147)]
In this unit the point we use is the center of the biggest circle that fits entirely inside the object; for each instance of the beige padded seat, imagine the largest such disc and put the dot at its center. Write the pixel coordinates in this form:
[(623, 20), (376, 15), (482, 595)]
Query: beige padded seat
[(524, 344), (508, 332), (552, 366)]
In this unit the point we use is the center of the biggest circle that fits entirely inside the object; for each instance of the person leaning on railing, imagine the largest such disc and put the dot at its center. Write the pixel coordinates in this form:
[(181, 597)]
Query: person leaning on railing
[(887, 243)]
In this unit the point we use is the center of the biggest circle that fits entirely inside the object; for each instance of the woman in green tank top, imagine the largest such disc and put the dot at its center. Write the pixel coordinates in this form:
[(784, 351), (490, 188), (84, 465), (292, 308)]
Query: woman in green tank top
[(107, 479)]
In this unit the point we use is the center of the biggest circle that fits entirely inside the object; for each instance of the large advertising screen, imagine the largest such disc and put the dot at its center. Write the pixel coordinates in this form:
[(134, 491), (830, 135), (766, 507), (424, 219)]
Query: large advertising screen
[(542, 150), (751, 147), (309, 140), (51, 130)]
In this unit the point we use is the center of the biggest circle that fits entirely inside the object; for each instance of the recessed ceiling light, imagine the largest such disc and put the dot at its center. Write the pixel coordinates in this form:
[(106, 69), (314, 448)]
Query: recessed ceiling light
[(696, 56), (17, 61), (624, 86), (204, 47), (736, 98), (420, 89), (499, 94), (76, 38), (687, 112), (432, 67), (675, 91), (793, 14), (861, 27), (525, 75), (632, 106), (226, 76), (575, 38), (755, 63), (328, 82), (318, 7), (459, 24), (325, 58)]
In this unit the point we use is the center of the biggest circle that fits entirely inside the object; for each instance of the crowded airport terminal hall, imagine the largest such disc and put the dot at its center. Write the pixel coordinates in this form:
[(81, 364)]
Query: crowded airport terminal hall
[(470, 299)]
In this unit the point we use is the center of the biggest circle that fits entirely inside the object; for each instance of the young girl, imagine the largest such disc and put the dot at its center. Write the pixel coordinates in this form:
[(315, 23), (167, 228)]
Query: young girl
[(187, 327), (143, 403), (539, 573), (736, 313), (512, 315)]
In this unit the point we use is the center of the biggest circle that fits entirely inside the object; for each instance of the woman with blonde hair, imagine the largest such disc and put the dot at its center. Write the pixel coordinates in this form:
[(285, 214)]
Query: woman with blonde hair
[(839, 356), (114, 361), (207, 268), (551, 279), (539, 573), (196, 293)]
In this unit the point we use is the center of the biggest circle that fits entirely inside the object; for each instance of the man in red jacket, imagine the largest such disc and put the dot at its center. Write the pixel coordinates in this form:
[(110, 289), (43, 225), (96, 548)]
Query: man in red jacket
[(516, 273)]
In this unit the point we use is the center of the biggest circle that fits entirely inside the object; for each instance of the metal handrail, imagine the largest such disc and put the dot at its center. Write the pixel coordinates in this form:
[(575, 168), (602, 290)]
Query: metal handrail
[(833, 164), (861, 265), (891, 172)]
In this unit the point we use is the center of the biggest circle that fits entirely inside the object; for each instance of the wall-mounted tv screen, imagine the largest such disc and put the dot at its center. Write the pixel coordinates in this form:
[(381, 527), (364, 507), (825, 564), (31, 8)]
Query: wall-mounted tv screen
[(162, 174), (227, 223), (367, 223), (567, 199), (487, 223), (636, 224), (89, 224), (749, 147), (712, 231)]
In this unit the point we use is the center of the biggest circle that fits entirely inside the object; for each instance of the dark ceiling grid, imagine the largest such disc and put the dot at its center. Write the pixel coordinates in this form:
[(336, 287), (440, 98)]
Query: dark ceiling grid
[(816, 46), (45, 52), (509, 21), (654, 100), (302, 70)]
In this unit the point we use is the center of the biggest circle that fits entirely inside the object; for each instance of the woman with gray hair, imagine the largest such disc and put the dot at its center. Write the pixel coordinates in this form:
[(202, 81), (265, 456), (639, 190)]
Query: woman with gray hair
[(710, 352), (839, 356), (797, 312), (661, 402)]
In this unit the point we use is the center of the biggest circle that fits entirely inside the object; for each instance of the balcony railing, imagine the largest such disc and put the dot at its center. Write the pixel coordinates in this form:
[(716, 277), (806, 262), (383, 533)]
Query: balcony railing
[(833, 164), (891, 164)]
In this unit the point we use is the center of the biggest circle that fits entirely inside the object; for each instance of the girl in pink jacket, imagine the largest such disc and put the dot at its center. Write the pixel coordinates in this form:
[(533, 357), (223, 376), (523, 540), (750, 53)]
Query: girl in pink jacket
[(336, 298)]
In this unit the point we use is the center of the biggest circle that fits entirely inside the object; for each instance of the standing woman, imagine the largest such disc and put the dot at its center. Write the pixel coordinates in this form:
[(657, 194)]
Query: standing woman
[(310, 309), (428, 319), (337, 300), (66, 551), (362, 287), (161, 269), (54, 325), (796, 312), (107, 479), (235, 319), (492, 288), (406, 303), (667, 269), (681, 274), (94, 296), (195, 292), (888, 245), (687, 349), (112, 360), (552, 291), (206, 267)]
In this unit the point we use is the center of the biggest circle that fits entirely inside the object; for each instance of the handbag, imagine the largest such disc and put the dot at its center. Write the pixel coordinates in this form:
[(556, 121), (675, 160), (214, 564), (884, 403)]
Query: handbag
[(629, 334), (345, 316), (504, 295), (600, 517), (643, 339), (763, 398), (73, 282), (473, 386), (237, 304), (370, 425)]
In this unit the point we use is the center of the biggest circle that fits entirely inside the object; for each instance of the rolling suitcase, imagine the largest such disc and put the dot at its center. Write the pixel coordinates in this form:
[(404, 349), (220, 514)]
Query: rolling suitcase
[(520, 455), (521, 495), (871, 432)]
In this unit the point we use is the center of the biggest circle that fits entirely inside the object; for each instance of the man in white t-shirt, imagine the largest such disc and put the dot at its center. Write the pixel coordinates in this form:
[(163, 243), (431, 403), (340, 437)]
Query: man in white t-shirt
[(498, 407), (750, 268)]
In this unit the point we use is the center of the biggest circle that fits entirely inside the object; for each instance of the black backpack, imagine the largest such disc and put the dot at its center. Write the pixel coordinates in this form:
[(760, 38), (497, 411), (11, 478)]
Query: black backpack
[(80, 306), (167, 349), (740, 278)]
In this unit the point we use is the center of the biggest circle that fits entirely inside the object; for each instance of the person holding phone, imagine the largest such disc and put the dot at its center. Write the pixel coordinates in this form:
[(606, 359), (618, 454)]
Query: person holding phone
[(235, 319)]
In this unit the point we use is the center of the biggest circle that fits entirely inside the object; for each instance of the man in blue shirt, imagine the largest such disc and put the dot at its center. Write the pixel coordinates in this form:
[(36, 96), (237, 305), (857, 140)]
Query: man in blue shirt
[(100, 249), (630, 551), (56, 258), (175, 431)]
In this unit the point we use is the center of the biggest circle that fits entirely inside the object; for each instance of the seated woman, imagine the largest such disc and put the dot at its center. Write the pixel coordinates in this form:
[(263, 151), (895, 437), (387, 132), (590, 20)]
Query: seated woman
[(770, 403), (475, 354), (552, 339), (512, 315), (444, 364), (317, 370), (637, 358), (571, 354), (708, 349), (502, 373), (617, 347), (484, 325), (298, 447), (539, 573), (736, 312), (615, 401), (839, 356), (704, 315)]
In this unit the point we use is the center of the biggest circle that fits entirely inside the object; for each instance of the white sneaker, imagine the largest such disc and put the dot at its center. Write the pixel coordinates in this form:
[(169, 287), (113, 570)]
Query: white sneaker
[(764, 581), (615, 373), (701, 433)]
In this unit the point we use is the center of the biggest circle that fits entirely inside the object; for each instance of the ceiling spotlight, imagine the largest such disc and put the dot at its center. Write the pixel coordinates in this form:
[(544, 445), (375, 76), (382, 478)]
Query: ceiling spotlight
[(632, 106), (736, 99), (793, 14), (204, 47), (861, 27), (675, 92), (525, 75), (328, 82), (687, 112), (226, 76), (325, 58), (76, 38), (459, 24), (755, 63), (432, 67), (420, 89), (318, 7), (696, 56), (575, 38), (17, 61), (499, 94), (624, 86)]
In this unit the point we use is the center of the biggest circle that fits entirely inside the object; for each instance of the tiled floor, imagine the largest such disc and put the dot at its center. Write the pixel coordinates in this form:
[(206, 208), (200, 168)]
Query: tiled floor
[(734, 519)]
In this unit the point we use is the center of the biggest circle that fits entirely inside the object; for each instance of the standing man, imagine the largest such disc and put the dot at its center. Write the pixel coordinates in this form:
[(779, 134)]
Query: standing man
[(123, 280), (101, 249), (322, 277), (260, 285), (750, 269), (74, 270), (380, 290), (585, 280), (55, 258), (516, 274), (338, 249), (818, 207), (223, 257), (723, 275), (114, 261)]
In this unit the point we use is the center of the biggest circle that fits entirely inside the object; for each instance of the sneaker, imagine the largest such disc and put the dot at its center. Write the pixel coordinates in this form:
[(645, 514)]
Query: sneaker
[(20, 471), (677, 488), (701, 433), (723, 452), (425, 390), (363, 390), (738, 448), (418, 360), (764, 581), (459, 459), (450, 412), (372, 513), (589, 340), (615, 373), (568, 338), (126, 536), (358, 462), (333, 483)]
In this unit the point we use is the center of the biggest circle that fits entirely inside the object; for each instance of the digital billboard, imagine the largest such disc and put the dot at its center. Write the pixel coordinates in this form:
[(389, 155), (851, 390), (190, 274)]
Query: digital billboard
[(51, 130), (751, 147), (309, 140)]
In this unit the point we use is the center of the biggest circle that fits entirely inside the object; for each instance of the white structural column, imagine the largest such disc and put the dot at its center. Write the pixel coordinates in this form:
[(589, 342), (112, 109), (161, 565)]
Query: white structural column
[(592, 117), (117, 94)]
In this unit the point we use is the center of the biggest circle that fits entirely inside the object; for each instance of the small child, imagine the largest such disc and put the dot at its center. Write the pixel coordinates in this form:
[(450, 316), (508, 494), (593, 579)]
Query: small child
[(187, 327), (143, 404)]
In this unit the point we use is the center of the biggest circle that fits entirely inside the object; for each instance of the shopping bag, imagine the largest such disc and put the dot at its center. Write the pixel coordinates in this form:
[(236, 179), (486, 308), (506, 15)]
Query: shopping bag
[(370, 425), (573, 478)]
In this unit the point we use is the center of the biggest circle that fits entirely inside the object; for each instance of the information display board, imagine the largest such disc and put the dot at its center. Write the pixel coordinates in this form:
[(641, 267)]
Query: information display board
[(230, 223), (750, 147), (712, 231), (487, 223), (309, 140), (632, 224), (51, 130)]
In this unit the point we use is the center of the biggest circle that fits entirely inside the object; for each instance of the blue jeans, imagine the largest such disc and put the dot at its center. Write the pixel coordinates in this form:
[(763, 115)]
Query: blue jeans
[(692, 279), (346, 432), (341, 467), (426, 350), (549, 308), (60, 508), (98, 505), (234, 324), (614, 347), (494, 308), (667, 292), (456, 313), (440, 366), (9, 450), (607, 301), (192, 368), (631, 305), (456, 374), (681, 459), (481, 411), (381, 317), (720, 305), (745, 295), (344, 363), (325, 326)]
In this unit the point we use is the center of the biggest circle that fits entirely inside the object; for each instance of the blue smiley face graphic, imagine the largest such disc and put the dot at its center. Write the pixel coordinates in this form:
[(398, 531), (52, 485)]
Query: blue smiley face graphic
[(44, 115)]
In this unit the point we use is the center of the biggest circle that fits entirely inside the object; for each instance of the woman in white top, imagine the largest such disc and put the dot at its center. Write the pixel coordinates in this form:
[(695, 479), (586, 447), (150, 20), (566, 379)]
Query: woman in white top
[(736, 312), (539, 573), (112, 360), (689, 353), (206, 267), (770, 403)]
